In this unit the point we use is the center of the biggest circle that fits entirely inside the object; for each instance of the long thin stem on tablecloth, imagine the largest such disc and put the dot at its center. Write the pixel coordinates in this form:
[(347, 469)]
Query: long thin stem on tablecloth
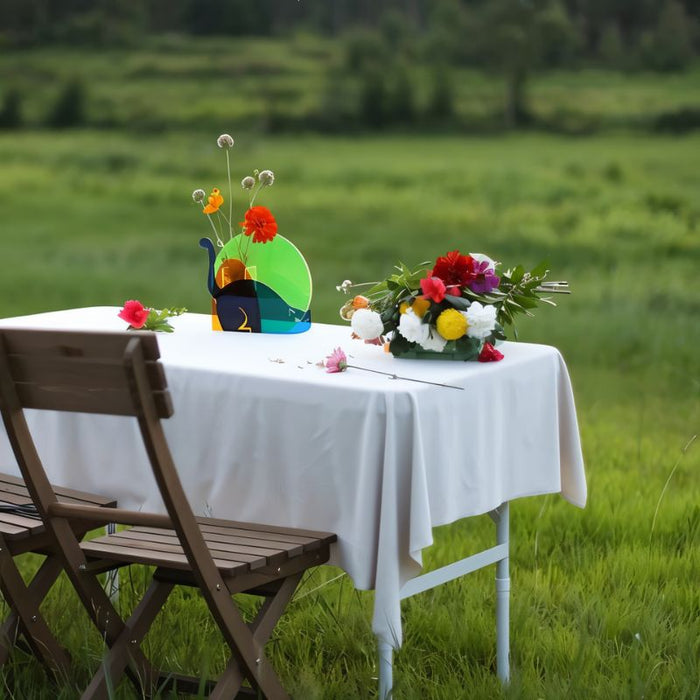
[(407, 379)]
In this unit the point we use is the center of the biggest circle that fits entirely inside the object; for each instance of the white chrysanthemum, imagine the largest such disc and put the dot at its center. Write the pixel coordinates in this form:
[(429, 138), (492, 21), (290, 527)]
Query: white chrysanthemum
[(367, 324), (481, 320), (480, 257), (434, 341), (412, 327)]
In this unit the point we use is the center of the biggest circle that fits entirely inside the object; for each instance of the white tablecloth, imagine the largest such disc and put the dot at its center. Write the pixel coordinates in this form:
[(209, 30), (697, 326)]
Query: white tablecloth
[(261, 433)]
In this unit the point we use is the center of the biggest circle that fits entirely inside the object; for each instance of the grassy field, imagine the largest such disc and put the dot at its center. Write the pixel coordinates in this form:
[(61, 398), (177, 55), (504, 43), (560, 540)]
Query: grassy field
[(606, 602), (220, 84)]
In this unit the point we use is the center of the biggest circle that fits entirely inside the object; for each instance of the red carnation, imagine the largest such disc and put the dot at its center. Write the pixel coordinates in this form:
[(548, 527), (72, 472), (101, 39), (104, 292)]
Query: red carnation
[(455, 269), (489, 354), (134, 313), (260, 223), (433, 288)]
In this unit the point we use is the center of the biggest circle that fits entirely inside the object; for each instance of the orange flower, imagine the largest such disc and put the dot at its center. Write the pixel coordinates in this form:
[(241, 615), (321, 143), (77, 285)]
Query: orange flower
[(215, 201), (260, 223), (360, 302)]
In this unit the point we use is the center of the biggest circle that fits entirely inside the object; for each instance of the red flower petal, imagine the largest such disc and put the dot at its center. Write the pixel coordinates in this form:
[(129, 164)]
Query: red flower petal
[(490, 354), (433, 288), (134, 313), (259, 223), (455, 269)]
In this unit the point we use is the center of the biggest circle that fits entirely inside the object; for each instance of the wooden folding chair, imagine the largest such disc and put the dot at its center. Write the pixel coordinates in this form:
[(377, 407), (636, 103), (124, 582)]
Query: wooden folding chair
[(22, 531), (119, 374)]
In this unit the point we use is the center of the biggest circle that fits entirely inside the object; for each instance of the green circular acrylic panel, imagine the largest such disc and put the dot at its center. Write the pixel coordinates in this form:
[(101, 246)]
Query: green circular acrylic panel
[(273, 292)]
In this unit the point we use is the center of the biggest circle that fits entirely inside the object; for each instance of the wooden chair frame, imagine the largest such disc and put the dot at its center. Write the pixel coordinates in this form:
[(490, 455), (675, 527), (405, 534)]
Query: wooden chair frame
[(21, 532), (120, 374)]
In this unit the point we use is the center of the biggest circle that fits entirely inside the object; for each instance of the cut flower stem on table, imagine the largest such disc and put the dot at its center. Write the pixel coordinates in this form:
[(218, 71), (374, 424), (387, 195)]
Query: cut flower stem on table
[(337, 361)]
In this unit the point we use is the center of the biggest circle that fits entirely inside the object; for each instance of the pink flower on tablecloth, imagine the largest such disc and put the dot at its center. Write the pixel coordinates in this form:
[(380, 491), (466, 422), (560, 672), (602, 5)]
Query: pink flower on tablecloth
[(337, 361), (490, 354), (134, 313)]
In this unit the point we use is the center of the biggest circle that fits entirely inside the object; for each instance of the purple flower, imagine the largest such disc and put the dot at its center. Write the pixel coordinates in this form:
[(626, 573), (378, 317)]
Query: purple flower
[(337, 361), (485, 280)]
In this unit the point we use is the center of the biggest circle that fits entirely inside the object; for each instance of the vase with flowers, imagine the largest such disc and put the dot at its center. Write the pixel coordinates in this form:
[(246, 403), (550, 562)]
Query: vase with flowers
[(258, 280)]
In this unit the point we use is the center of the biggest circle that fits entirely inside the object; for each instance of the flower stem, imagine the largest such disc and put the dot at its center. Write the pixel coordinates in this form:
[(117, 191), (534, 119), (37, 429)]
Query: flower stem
[(230, 197), (407, 379)]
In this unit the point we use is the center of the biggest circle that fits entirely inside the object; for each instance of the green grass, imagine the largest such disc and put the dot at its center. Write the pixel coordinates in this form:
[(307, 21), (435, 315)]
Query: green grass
[(604, 606)]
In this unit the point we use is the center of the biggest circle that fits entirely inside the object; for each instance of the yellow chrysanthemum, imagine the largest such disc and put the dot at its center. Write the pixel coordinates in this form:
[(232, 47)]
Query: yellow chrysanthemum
[(451, 324), (420, 306), (403, 307)]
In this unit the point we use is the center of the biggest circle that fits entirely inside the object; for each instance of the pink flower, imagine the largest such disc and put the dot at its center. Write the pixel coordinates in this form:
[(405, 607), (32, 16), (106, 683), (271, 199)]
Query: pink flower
[(490, 354), (337, 361), (433, 288), (454, 291), (134, 313)]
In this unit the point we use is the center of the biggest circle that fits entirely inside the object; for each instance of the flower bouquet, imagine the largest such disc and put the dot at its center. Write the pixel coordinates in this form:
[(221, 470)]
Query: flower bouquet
[(258, 280), (456, 309)]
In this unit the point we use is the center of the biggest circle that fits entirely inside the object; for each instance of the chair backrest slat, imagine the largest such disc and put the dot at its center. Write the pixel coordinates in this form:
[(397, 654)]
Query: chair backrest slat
[(81, 372)]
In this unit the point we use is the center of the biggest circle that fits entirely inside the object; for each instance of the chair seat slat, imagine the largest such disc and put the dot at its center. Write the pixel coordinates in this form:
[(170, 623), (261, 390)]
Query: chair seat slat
[(254, 560), (247, 537), (277, 534), (218, 543), (164, 559)]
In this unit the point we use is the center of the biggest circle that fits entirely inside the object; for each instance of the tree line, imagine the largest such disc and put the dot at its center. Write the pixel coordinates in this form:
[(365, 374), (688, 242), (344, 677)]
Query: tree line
[(655, 34)]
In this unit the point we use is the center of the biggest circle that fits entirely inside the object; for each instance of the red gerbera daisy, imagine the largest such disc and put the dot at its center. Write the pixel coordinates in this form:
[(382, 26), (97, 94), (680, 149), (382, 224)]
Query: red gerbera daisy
[(455, 269), (259, 223)]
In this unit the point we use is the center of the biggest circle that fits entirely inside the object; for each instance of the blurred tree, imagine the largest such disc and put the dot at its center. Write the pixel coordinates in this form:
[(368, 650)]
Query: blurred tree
[(669, 47), (441, 101), (611, 48), (236, 17), (69, 108), (373, 98), (400, 99), (11, 110), (517, 37)]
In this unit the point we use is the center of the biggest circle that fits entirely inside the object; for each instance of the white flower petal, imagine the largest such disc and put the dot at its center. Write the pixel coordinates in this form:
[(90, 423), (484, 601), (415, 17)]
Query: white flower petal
[(367, 324)]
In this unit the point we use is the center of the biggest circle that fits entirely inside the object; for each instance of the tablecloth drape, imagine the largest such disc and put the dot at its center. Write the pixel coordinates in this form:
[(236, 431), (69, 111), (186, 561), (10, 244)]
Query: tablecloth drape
[(262, 433)]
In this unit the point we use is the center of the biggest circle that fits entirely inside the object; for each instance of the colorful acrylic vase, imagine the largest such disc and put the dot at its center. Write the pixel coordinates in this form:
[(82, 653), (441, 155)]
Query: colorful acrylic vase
[(269, 293)]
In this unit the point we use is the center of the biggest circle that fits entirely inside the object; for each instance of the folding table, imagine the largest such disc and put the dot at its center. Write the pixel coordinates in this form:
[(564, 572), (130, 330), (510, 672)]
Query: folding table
[(380, 459)]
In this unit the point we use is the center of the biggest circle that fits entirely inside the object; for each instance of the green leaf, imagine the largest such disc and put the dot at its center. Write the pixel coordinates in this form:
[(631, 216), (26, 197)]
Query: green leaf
[(517, 274), (540, 270), (459, 303)]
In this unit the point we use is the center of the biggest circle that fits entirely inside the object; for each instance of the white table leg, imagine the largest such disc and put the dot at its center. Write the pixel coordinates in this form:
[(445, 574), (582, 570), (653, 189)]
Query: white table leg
[(386, 680), (502, 597)]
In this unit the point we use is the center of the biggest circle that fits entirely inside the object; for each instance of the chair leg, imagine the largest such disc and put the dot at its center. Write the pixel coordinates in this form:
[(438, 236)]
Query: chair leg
[(273, 608), (126, 645), (25, 603), (39, 586), (261, 628)]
